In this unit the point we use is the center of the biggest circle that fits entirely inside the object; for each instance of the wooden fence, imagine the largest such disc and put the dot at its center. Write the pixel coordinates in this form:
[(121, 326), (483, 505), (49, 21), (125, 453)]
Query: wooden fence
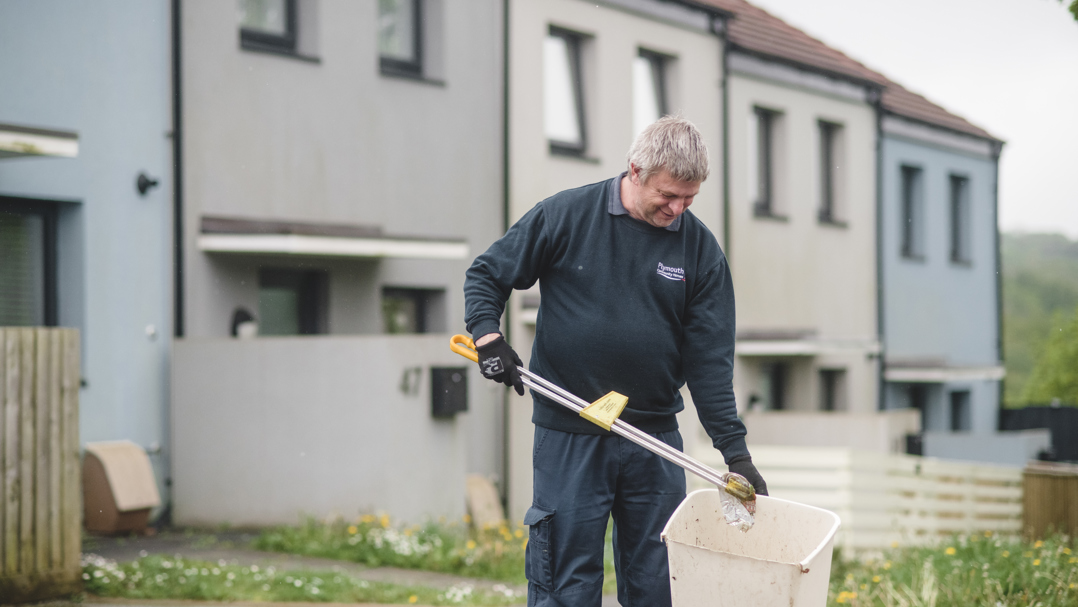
[(40, 493), (886, 500), (1051, 499)]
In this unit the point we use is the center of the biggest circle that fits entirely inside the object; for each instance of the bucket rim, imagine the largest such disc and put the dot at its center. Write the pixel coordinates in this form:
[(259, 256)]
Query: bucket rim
[(803, 564)]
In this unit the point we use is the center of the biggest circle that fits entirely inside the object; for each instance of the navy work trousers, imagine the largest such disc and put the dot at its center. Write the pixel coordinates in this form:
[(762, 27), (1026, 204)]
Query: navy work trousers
[(580, 481)]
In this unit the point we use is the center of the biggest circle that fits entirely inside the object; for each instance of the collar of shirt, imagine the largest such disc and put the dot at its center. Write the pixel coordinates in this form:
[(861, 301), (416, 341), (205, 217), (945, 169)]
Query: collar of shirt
[(615, 207)]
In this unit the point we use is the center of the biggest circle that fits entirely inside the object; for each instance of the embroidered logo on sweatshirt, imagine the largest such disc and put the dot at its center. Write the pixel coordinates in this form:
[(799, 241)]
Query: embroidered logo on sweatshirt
[(671, 273)]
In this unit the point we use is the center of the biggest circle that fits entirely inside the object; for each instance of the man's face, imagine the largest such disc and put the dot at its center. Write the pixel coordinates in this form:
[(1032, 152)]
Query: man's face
[(662, 199)]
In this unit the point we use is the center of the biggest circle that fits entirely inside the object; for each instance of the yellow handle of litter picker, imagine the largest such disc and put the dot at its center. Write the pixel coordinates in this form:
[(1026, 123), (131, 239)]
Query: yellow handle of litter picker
[(463, 345)]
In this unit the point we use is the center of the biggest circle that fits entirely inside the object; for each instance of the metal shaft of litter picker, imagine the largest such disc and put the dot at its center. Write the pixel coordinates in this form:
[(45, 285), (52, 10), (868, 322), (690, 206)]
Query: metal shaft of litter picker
[(464, 346), (570, 400)]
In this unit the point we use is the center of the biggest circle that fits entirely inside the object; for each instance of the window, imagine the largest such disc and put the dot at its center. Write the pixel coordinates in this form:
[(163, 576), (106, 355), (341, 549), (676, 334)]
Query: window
[(27, 264), (649, 89), (960, 220), (406, 311), (912, 213), (563, 100), (292, 302), (268, 25), (774, 385), (832, 389), (960, 413), (763, 140), (831, 163), (400, 37)]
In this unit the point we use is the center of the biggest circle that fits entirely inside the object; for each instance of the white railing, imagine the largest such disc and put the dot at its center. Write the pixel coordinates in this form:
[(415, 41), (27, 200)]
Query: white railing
[(886, 500)]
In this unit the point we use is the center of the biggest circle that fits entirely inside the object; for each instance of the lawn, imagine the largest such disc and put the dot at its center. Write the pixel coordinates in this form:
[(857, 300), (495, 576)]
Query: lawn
[(980, 569)]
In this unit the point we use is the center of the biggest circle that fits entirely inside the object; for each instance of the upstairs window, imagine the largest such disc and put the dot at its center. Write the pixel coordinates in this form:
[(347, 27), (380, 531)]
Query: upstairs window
[(27, 264), (763, 139), (292, 302), (563, 99), (960, 220), (400, 37), (912, 213), (649, 89), (773, 385), (831, 163), (268, 25)]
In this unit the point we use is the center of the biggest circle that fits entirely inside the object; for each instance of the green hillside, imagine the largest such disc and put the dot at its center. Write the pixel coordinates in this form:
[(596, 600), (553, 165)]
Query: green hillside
[(1040, 295)]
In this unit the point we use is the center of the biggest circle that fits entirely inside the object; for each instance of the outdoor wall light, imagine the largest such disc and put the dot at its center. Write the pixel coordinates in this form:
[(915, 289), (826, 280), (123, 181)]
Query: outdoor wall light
[(144, 183)]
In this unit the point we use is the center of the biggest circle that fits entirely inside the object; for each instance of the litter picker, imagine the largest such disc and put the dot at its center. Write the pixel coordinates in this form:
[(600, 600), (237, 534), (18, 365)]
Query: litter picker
[(605, 411)]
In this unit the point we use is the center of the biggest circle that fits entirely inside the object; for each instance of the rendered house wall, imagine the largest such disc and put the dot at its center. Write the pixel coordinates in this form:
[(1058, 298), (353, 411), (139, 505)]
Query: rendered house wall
[(796, 273), (101, 70)]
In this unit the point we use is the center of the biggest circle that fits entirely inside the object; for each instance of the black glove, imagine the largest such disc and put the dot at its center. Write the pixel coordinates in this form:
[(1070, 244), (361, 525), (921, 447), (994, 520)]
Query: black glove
[(742, 465), (499, 362)]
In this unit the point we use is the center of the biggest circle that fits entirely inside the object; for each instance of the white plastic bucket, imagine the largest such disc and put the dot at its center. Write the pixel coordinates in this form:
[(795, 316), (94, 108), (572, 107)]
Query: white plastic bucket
[(785, 559)]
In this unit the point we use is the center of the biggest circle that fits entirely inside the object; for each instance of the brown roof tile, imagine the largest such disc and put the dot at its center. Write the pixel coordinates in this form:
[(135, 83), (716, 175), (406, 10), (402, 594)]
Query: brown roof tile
[(756, 31)]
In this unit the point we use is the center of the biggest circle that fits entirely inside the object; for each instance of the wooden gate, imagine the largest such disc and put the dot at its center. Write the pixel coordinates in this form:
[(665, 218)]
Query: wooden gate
[(40, 494)]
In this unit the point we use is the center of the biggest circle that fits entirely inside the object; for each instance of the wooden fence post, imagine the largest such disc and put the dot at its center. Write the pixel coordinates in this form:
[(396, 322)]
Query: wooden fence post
[(40, 492)]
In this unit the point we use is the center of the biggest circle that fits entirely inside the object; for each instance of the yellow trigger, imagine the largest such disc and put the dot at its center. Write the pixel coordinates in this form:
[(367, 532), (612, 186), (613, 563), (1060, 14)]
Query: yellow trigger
[(605, 411)]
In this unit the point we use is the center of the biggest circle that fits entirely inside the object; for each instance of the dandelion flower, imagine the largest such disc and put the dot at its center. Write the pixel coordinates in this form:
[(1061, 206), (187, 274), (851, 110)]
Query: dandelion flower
[(352, 529), (875, 579), (413, 599), (1038, 543), (1074, 559), (384, 520), (519, 534), (467, 518), (470, 545), (1005, 553), (949, 551), (1066, 551), (1036, 562), (887, 565)]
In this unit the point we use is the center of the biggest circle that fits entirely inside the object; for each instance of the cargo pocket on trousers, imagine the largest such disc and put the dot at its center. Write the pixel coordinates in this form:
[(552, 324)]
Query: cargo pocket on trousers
[(537, 558)]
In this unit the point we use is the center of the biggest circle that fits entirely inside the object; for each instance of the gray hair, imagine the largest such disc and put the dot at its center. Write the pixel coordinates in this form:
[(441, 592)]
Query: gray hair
[(670, 143)]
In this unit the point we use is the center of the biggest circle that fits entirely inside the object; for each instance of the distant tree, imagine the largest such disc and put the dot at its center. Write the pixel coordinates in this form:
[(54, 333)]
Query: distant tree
[(1073, 8), (1055, 375)]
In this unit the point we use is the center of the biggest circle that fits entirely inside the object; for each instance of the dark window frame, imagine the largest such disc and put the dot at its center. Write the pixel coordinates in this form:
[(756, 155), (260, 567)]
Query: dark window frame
[(399, 67), (911, 193), (49, 213), (777, 377), (285, 44), (918, 399), (764, 205), (960, 410), (829, 388), (575, 43), (426, 301), (828, 132), (960, 217), (312, 288)]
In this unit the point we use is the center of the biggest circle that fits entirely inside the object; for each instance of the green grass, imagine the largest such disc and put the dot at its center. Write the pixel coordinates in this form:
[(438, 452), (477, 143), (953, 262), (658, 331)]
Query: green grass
[(970, 570), (496, 553), (157, 577)]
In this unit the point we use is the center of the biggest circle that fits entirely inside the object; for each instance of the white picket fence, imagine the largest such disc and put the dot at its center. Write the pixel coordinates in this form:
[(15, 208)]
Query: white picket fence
[(887, 500)]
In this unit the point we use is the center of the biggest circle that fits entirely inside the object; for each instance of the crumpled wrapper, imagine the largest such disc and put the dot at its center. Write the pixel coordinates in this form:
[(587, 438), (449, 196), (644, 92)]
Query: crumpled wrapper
[(735, 512)]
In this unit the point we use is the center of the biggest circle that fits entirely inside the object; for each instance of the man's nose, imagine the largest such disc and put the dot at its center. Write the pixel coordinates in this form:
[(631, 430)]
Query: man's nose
[(677, 205)]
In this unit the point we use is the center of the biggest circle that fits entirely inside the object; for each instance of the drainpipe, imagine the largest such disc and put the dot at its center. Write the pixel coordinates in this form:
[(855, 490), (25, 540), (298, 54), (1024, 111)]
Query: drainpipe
[(177, 171), (720, 31), (506, 399), (997, 149), (880, 384)]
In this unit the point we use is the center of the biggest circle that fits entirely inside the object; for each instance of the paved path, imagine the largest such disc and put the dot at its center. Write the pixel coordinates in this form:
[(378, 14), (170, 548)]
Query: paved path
[(234, 547)]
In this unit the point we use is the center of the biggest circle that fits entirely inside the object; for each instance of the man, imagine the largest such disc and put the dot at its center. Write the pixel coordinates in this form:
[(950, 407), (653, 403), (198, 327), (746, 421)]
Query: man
[(636, 298)]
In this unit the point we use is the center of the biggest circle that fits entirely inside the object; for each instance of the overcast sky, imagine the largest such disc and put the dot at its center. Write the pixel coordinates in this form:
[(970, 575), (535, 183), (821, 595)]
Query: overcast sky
[(1008, 66)]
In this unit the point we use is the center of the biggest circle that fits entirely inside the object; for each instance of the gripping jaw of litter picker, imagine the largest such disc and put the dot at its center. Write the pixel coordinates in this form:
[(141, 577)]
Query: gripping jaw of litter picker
[(604, 412)]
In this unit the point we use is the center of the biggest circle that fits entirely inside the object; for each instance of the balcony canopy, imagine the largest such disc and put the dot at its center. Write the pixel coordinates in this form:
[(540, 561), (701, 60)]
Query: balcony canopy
[(263, 237), (19, 141)]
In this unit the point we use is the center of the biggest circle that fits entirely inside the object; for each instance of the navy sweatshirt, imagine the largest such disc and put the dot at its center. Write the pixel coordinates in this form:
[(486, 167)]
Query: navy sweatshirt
[(625, 306)]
